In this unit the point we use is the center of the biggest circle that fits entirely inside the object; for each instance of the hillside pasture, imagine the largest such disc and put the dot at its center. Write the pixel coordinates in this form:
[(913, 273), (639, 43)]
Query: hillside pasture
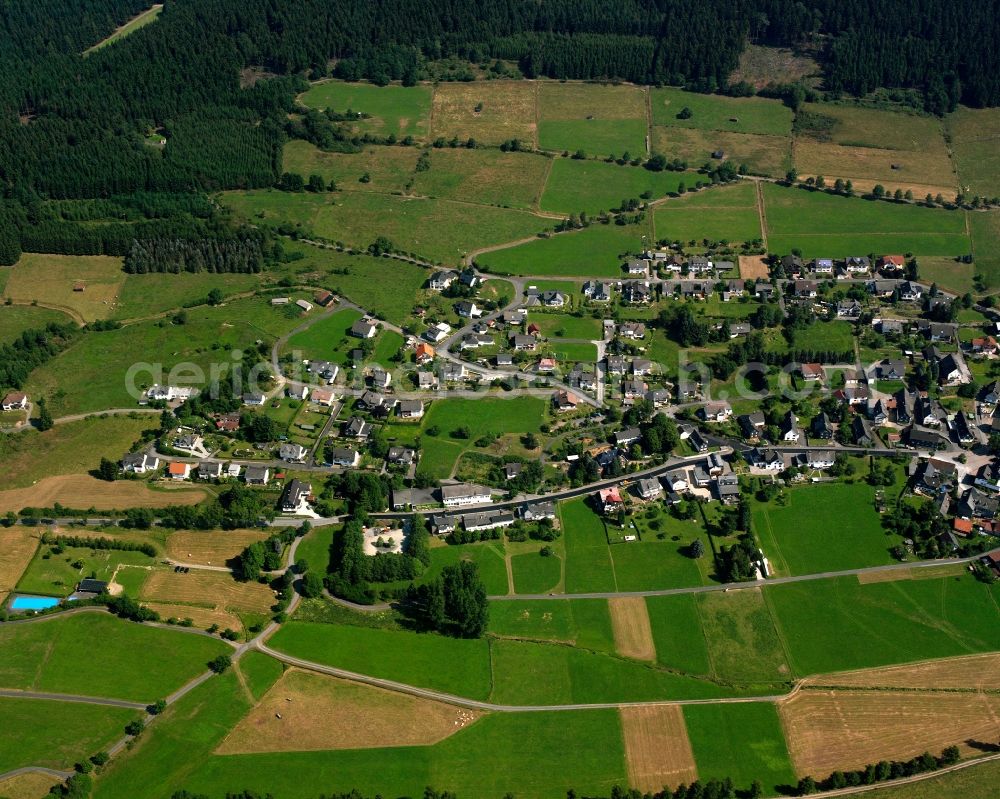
[(950, 274), (678, 633), (56, 734), (155, 293), (389, 169), (489, 177), (399, 110), (975, 143), (210, 547), (295, 714), (588, 561), (585, 623), (825, 225), (594, 186), (715, 112), (597, 251), (489, 112), (830, 730), (657, 749), (685, 218), (534, 574), (51, 279), (985, 228), (83, 491), (763, 155), (600, 120), (326, 338), (58, 655), (15, 319)]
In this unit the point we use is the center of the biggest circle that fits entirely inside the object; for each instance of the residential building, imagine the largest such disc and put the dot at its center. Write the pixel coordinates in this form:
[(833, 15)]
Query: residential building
[(401, 456), (488, 520), (295, 497), (253, 399), (15, 401), (464, 494), (649, 488), (210, 470), (140, 463), (523, 343), (716, 411), (563, 401), (632, 330), (344, 456), (410, 409), (257, 475), (364, 329), (424, 353), (356, 427), (610, 499), (467, 309), (441, 280), (627, 436), (293, 453)]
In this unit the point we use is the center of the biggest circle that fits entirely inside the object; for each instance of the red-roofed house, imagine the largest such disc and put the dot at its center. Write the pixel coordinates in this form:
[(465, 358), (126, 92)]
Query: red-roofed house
[(891, 263), (15, 401), (611, 500), (812, 371), (986, 345), (179, 471), (962, 527), (424, 353)]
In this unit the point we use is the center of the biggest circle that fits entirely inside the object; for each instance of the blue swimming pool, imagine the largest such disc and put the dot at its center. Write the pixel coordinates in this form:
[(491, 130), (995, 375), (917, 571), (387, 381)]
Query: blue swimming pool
[(26, 602)]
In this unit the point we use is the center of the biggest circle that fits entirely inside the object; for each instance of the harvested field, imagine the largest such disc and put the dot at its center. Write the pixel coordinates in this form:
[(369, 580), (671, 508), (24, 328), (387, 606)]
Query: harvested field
[(17, 546), (630, 623), (753, 266), (51, 279), (657, 749), (764, 155), (202, 617), (207, 589), (84, 491), (926, 573), (310, 712), (506, 110), (27, 786), (975, 672), (830, 730), (210, 548)]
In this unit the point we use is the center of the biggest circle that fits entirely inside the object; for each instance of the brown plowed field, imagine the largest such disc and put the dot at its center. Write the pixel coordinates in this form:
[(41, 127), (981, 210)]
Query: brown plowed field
[(304, 711), (209, 589), (210, 548)]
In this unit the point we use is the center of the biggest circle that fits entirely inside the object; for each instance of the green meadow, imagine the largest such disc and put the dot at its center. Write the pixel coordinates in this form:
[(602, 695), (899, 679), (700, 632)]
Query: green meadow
[(153, 293), (534, 574), (487, 555), (594, 186), (585, 623), (399, 110), (715, 112), (57, 655), (15, 319), (489, 177), (378, 169)]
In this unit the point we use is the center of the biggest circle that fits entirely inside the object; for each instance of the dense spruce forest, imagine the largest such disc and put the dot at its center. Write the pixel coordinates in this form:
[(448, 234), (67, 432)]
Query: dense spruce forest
[(77, 127)]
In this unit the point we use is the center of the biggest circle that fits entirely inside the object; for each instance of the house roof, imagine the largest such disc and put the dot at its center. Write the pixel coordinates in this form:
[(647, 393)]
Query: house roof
[(178, 468)]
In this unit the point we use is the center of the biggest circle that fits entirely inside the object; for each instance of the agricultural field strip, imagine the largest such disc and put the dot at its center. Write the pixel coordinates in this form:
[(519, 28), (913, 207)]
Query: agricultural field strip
[(11, 693)]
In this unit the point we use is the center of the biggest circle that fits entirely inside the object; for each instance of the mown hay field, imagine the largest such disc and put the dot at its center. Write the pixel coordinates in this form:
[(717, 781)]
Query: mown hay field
[(657, 749), (51, 279), (83, 491), (207, 589), (210, 548), (489, 112), (400, 110)]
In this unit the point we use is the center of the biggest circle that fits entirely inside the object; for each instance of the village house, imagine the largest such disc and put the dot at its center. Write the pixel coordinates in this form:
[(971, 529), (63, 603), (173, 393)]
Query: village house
[(563, 401), (488, 520), (637, 267), (546, 365), (372, 401), (323, 298), (811, 371), (820, 426), (891, 264), (632, 330), (766, 459), (790, 432), (410, 409), (322, 396), (649, 488), (380, 378), (699, 263), (503, 359), (633, 389), (891, 369), (937, 332), (324, 370), (257, 475), (139, 463), (179, 471), (883, 289), (512, 470), (848, 309), (356, 427), (427, 381), (401, 456), (345, 457), (452, 372), (253, 399), (467, 309), (823, 266), (751, 425), (858, 264), (658, 397), (627, 436), (727, 489), (15, 401), (597, 291), (210, 470), (293, 453), (441, 280), (805, 288), (763, 290), (468, 278), (464, 494), (716, 411), (910, 292), (364, 329), (536, 511), (437, 333), (791, 264), (616, 364), (963, 430), (636, 292), (610, 500), (552, 299), (423, 354), (986, 345), (295, 497)]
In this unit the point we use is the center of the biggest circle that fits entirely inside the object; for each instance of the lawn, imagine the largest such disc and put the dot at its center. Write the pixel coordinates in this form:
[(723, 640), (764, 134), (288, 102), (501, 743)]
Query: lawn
[(825, 225), (743, 742), (452, 665), (683, 220), (597, 251), (715, 112), (651, 564), (110, 369), (835, 336), (532, 755), (490, 177), (950, 274), (838, 624), (762, 155), (975, 142), (153, 293), (15, 319), (137, 663), (55, 575), (567, 353), (386, 287), (588, 559), (399, 110), (56, 734), (260, 672), (594, 186), (315, 549), (72, 448), (810, 534), (488, 556), (388, 169), (51, 279), (563, 325), (534, 574), (440, 230), (585, 623), (600, 120), (387, 344), (491, 112)]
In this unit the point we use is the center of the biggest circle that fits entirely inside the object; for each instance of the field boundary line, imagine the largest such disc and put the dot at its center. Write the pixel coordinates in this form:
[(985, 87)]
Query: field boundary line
[(537, 205), (761, 212), (649, 120)]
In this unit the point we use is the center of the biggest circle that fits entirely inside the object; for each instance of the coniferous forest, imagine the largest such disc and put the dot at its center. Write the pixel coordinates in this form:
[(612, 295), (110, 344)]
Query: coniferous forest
[(76, 127)]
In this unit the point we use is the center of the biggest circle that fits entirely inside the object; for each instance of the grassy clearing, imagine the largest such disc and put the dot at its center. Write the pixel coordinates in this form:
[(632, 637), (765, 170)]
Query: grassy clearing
[(733, 215), (811, 534), (975, 142), (599, 120), (566, 326), (588, 560), (15, 319), (439, 230), (388, 168), (146, 295), (985, 228), (491, 113), (855, 126), (534, 574), (315, 549), (432, 661), (743, 742), (50, 279), (763, 155), (93, 373), (490, 177), (761, 65), (400, 110), (659, 563), (838, 624), (595, 186), (597, 251), (714, 112), (488, 556), (57, 655), (329, 337), (74, 447), (949, 274), (585, 623), (56, 734), (824, 225), (835, 335), (138, 21), (555, 751)]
